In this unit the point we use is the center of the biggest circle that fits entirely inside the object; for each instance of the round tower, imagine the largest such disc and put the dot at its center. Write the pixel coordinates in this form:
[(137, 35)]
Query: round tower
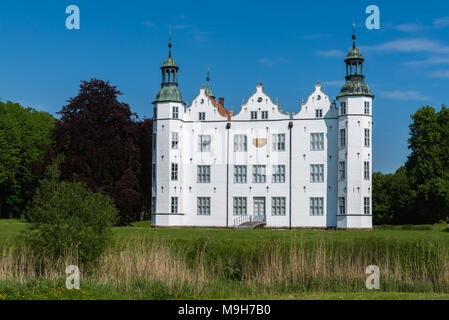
[(168, 114), (354, 207)]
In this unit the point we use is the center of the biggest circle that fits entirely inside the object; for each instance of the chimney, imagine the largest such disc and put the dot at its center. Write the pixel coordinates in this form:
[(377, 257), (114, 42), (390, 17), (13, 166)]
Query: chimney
[(221, 101)]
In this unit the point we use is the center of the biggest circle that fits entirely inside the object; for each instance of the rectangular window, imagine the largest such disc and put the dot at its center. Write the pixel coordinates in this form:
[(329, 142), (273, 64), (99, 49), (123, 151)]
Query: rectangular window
[(342, 170), (253, 115), (316, 141), (240, 143), (203, 175), (174, 172), (204, 143), (342, 108), (175, 112), (174, 140), (239, 206), (317, 173), (153, 173), (367, 107), (278, 141), (366, 205), (367, 138), (342, 138), (278, 174), (202, 116), (366, 170), (342, 205), (259, 174), (174, 205), (239, 174), (153, 205), (318, 113), (316, 206), (278, 206), (264, 115), (203, 206)]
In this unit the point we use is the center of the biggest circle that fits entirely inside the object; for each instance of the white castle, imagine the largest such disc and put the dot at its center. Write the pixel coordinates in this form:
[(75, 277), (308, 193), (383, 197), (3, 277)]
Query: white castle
[(309, 169)]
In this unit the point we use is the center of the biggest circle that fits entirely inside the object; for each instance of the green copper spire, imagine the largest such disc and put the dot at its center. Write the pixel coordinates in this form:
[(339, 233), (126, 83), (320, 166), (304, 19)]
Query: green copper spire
[(208, 89), (169, 89), (355, 80)]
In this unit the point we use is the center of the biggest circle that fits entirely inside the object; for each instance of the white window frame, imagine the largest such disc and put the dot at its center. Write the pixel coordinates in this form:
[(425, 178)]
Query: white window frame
[(204, 143), (367, 138), (367, 107), (317, 173), (259, 173), (175, 112), (318, 113), (240, 174), (278, 206), (264, 115), (342, 170), (174, 140), (240, 143), (366, 170), (278, 142), (278, 174), (202, 116), (174, 205), (342, 205), (203, 206), (253, 115), (174, 171), (342, 138), (317, 206), (203, 174), (317, 141), (343, 108), (367, 205), (240, 206)]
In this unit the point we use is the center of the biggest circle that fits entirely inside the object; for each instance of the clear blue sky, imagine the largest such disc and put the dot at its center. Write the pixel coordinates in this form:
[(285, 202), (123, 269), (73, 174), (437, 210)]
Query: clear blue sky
[(288, 45)]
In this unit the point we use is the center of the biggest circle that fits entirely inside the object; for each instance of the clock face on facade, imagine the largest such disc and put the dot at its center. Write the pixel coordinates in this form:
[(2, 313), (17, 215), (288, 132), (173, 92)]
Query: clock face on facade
[(259, 100)]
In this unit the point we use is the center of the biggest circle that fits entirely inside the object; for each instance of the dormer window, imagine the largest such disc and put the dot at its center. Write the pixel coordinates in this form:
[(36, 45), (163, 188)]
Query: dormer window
[(264, 115), (318, 113), (253, 115), (202, 116)]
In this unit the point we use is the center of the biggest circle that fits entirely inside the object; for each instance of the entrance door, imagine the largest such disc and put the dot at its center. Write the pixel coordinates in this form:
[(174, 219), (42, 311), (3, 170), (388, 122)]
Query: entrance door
[(259, 207)]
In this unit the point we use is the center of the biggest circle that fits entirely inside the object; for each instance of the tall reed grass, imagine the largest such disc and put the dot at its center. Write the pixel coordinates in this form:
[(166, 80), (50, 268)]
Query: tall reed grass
[(212, 269)]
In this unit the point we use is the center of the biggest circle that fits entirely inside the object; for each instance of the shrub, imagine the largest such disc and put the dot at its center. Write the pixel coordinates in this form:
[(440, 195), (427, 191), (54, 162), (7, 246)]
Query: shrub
[(68, 218)]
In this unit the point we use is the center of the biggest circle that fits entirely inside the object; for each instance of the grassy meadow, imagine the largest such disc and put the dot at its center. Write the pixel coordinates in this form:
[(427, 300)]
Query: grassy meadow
[(145, 263)]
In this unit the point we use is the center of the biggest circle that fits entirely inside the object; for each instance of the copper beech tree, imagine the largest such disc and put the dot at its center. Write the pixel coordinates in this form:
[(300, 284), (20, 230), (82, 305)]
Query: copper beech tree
[(105, 146)]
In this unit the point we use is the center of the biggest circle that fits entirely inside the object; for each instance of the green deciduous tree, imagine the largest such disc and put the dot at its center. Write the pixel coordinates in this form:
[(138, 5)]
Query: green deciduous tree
[(68, 218), (25, 135), (428, 164)]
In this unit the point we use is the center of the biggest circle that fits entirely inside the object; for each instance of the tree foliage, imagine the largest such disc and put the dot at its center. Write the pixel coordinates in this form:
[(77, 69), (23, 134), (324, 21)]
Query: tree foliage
[(100, 140), (68, 218), (25, 135)]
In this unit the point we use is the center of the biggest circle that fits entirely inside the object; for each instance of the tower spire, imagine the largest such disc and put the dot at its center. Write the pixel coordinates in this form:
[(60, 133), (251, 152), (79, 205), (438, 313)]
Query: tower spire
[(353, 35), (209, 91), (169, 44)]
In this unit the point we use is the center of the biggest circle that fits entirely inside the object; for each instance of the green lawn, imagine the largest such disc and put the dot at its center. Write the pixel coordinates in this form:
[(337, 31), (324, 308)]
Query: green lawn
[(409, 247)]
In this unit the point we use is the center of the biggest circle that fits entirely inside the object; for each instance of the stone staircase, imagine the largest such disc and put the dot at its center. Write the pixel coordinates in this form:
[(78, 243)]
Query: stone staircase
[(249, 222)]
